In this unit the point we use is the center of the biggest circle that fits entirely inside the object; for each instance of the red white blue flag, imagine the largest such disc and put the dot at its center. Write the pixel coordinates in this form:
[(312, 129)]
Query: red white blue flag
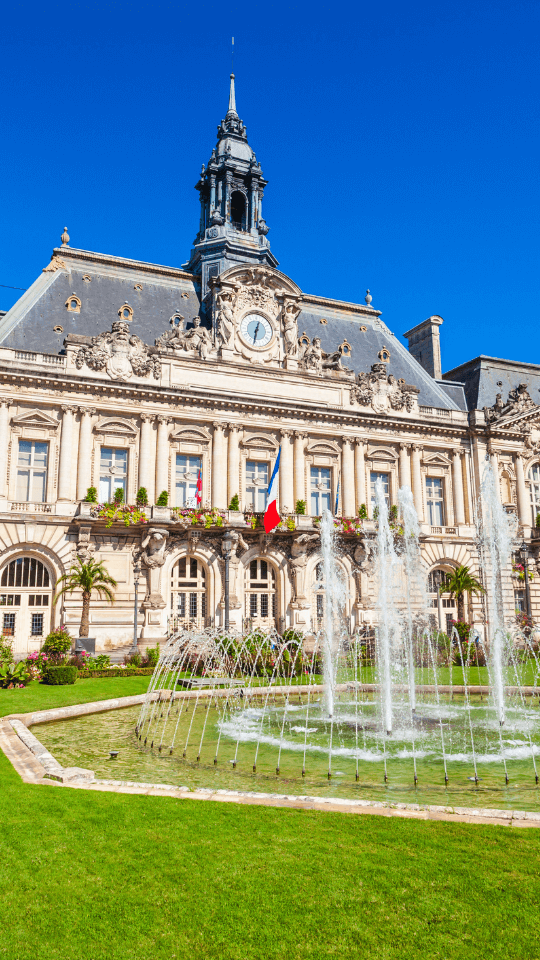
[(271, 516), (198, 495)]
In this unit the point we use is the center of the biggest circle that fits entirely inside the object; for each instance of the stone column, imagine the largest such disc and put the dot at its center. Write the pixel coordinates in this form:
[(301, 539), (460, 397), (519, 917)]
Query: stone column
[(360, 471), (228, 182), (219, 468), (457, 478), (286, 474), (66, 453), (233, 471), (253, 207), (347, 477), (417, 481), (4, 443), (524, 508), (162, 457), (84, 464), (495, 464), (404, 466), (147, 471), (212, 192), (299, 475)]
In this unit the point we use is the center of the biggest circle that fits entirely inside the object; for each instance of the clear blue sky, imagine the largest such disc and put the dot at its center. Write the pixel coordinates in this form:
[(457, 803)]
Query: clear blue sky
[(400, 141)]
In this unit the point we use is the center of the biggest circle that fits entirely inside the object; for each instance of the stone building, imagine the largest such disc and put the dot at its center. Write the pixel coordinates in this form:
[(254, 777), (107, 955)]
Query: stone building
[(119, 374)]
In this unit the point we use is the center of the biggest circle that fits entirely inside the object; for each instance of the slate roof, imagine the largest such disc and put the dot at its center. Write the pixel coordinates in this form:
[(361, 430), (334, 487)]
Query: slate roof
[(482, 375), (29, 325)]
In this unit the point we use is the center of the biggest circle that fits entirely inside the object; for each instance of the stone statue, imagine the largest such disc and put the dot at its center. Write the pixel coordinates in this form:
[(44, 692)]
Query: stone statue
[(290, 328), (229, 546), (153, 557), (226, 302), (519, 400), (176, 336), (315, 359), (198, 339), (298, 563)]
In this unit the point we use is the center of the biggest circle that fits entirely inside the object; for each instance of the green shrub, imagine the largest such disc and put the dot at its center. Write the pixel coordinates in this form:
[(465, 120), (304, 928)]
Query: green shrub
[(151, 656), (133, 660), (362, 512), (120, 672), (91, 495), (58, 643), (60, 676), (163, 499), (118, 495), (235, 502), (300, 508), (142, 497), (538, 521)]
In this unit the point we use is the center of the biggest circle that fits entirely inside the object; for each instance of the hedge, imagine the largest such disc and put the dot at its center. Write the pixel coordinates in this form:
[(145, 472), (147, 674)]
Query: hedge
[(60, 676), (128, 672)]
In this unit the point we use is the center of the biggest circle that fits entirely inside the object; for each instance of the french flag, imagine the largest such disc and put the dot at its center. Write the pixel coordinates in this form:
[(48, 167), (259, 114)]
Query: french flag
[(271, 516), (198, 495)]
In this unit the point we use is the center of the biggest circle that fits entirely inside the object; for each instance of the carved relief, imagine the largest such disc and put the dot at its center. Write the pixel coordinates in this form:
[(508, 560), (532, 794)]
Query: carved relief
[(196, 340), (153, 557), (519, 401), (313, 358), (120, 354), (382, 392)]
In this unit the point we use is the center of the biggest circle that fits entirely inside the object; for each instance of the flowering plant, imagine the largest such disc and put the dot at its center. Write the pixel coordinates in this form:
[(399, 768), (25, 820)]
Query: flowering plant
[(36, 663), (120, 512), (345, 524), (252, 520), (288, 523), (204, 518), (519, 570)]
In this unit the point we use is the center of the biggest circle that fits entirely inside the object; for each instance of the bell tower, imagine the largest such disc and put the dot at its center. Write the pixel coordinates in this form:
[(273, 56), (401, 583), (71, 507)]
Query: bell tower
[(231, 187)]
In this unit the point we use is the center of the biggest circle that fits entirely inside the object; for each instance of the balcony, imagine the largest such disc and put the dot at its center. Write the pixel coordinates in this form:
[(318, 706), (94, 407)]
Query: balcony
[(26, 507)]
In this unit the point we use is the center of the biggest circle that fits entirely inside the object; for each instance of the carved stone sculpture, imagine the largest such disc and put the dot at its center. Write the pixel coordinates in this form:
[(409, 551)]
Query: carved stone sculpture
[(120, 354), (382, 392), (198, 339), (297, 564), (229, 547), (314, 359), (290, 328), (226, 302), (153, 557), (175, 337), (519, 401)]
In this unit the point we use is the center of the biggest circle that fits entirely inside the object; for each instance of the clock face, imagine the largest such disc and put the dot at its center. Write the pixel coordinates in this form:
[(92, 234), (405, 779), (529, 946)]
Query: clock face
[(256, 330)]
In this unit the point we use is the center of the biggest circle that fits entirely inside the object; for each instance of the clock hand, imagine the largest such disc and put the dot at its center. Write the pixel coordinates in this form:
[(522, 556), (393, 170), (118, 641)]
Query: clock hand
[(256, 332)]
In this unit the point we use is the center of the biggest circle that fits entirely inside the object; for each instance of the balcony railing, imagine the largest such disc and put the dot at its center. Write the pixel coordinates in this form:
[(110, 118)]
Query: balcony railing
[(26, 507), (48, 359)]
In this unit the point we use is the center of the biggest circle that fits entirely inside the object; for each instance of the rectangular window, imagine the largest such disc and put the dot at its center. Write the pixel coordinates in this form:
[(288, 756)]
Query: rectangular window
[(256, 485), (321, 491), (519, 601), (11, 600), (252, 605), (435, 501), (37, 624), (385, 480), (9, 625), (112, 473), (32, 471), (187, 472), (264, 604)]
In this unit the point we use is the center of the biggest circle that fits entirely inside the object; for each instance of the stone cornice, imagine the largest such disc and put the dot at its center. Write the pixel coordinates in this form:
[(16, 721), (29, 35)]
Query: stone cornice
[(75, 257), (360, 308)]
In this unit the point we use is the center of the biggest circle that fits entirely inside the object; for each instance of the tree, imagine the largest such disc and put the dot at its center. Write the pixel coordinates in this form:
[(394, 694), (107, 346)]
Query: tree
[(457, 584), (88, 577)]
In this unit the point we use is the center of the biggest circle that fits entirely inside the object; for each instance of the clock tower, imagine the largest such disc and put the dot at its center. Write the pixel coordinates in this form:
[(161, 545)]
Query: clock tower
[(232, 229)]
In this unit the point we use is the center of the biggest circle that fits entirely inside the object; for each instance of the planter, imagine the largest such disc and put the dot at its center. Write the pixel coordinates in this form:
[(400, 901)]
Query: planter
[(161, 513), (85, 644)]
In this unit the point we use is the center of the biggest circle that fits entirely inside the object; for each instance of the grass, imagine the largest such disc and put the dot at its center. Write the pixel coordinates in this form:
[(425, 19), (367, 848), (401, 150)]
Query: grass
[(39, 696), (89, 876)]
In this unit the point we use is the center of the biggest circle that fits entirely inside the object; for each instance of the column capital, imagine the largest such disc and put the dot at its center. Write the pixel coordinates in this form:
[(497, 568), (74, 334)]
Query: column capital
[(69, 408), (4, 402), (147, 417), (349, 440), (217, 425), (519, 455), (417, 448), (163, 418), (87, 411), (359, 442), (405, 447), (234, 427), (286, 433), (299, 435)]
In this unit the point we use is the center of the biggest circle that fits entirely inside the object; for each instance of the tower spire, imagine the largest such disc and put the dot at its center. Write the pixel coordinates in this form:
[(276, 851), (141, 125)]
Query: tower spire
[(232, 98)]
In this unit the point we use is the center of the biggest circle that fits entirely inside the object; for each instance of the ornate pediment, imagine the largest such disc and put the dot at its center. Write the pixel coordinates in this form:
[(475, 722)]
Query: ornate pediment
[(193, 434), (119, 353), (260, 440), (323, 446), (436, 460), (117, 426), (382, 453), (383, 392), (35, 418), (518, 404)]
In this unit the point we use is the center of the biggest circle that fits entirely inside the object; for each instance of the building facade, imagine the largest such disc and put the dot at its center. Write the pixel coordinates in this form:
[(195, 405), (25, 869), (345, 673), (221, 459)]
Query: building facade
[(120, 375)]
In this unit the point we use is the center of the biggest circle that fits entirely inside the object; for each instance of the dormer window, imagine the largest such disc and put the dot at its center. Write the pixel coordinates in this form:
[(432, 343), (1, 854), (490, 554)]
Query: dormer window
[(126, 312), (73, 304), (238, 210), (384, 355)]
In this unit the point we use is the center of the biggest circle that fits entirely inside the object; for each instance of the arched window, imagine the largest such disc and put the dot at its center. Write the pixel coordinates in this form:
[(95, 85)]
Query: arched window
[(26, 601), (189, 602), (238, 210), (444, 607), (318, 595), (534, 488), (261, 594)]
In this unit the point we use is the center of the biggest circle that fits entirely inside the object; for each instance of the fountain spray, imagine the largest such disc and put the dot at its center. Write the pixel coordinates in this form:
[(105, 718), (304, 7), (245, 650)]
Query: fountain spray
[(335, 594)]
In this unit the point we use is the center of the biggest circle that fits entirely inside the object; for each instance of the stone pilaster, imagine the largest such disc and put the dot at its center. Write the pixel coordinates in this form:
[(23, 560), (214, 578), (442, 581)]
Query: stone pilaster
[(147, 455), (417, 481), (299, 468), (162, 457), (219, 468), (233, 467), (286, 474), (404, 466), (347, 477), (84, 463), (457, 478), (360, 473), (66, 453), (4, 443), (524, 509)]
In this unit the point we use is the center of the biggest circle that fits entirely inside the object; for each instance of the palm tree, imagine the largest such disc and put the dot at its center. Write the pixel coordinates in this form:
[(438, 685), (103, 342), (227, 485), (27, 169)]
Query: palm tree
[(87, 577), (457, 584)]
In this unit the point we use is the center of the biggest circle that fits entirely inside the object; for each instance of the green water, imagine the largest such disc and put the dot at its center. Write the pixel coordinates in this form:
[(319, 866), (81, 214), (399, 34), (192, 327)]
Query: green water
[(244, 733)]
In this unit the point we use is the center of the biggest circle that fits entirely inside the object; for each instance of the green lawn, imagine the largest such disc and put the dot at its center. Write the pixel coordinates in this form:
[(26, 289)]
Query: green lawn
[(39, 696), (90, 876)]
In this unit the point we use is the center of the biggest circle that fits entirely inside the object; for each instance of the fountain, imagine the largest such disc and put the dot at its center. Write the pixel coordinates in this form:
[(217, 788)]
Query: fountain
[(262, 706)]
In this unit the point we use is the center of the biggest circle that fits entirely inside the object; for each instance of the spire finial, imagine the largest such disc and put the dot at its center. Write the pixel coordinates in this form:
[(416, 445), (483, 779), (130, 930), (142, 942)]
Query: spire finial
[(232, 97), (65, 237)]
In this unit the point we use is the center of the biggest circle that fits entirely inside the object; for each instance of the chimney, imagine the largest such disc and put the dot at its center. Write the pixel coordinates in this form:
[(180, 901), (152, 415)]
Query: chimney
[(425, 345)]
